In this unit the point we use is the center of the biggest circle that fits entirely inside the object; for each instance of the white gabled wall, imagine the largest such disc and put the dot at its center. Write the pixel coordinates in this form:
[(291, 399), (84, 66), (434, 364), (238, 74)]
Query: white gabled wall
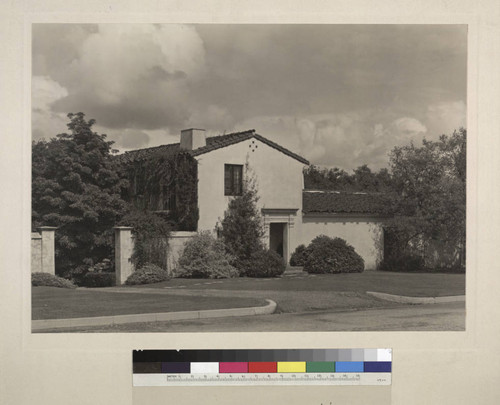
[(365, 234), (279, 179), (280, 182)]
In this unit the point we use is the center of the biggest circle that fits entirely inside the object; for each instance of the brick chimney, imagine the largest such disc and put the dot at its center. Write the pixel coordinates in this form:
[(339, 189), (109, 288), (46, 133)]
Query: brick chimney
[(193, 138)]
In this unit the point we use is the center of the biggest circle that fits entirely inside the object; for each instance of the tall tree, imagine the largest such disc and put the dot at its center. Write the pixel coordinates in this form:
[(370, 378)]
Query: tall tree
[(76, 187), (430, 182)]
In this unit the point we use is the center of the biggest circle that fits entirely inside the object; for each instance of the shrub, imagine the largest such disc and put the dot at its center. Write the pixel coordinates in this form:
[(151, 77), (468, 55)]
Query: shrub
[(298, 257), (265, 263), (49, 280), (327, 255), (148, 274), (206, 257), (404, 263), (78, 274), (241, 229), (98, 279)]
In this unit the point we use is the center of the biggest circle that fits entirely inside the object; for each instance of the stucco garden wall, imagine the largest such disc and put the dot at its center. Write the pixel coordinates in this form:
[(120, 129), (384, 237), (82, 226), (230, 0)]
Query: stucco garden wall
[(42, 250), (279, 179), (36, 252), (365, 234), (176, 243)]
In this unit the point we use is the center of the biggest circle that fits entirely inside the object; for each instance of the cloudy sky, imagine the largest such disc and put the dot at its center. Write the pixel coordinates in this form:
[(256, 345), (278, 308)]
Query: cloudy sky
[(340, 95)]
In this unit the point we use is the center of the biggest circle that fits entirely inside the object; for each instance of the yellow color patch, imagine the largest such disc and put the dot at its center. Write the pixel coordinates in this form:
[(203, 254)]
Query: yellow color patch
[(291, 367)]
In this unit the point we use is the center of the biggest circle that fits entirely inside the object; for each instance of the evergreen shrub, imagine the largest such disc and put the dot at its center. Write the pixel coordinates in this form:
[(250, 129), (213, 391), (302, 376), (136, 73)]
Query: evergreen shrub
[(78, 274), (242, 229), (98, 279), (49, 280), (204, 256), (328, 255), (298, 257), (148, 274), (265, 263)]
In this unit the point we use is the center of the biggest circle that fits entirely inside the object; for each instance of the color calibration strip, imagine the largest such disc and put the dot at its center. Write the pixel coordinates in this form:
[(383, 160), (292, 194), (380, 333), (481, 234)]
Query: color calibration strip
[(262, 367)]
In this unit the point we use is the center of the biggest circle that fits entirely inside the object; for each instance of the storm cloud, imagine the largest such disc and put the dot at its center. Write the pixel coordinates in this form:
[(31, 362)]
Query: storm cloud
[(341, 95)]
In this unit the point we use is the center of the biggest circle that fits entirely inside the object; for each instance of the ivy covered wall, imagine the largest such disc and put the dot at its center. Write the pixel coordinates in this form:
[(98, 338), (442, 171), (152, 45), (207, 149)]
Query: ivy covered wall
[(166, 185)]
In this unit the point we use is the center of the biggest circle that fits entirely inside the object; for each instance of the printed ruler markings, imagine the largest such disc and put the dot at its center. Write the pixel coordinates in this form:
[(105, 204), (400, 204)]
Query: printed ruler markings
[(263, 379)]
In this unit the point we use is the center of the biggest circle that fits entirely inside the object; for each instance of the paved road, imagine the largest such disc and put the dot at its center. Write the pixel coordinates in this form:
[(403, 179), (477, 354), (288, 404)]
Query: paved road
[(436, 317)]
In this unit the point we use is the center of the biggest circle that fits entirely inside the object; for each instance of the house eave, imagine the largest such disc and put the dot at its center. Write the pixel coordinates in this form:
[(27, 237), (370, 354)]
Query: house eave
[(346, 215), (279, 211)]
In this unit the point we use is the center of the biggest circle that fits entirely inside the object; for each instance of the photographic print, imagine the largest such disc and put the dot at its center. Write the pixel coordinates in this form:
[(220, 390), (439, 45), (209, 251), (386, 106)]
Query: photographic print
[(248, 177)]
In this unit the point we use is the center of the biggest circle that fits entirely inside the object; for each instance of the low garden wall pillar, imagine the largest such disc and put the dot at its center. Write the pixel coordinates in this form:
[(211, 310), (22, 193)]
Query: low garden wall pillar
[(176, 243), (124, 247), (47, 259)]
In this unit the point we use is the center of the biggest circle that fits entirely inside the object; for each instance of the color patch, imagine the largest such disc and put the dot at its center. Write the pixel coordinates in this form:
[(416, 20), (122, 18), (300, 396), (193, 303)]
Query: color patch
[(291, 366), (268, 355), (176, 367), (378, 367), (233, 367), (349, 366), (320, 367), (204, 368), (262, 367), (384, 355), (146, 368), (370, 355)]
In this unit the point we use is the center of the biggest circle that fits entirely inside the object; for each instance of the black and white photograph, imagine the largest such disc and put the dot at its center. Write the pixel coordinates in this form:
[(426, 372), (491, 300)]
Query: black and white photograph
[(248, 177)]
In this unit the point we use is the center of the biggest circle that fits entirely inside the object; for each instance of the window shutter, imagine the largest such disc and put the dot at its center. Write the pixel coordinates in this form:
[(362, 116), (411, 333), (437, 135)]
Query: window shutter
[(227, 180)]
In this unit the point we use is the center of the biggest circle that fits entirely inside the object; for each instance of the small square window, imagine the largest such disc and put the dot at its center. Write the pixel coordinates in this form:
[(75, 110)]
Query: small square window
[(233, 179)]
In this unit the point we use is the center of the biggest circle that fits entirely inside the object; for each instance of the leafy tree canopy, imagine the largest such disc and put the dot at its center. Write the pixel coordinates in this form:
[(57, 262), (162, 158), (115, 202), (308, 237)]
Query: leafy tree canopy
[(76, 187), (362, 179), (430, 185)]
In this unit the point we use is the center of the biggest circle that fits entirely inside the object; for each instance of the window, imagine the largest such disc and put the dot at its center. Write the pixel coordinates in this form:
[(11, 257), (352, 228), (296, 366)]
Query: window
[(233, 179)]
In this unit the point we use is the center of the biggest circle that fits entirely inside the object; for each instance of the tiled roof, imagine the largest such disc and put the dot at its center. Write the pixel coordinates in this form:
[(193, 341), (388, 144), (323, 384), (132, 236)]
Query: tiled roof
[(142, 154), (213, 143), (341, 202)]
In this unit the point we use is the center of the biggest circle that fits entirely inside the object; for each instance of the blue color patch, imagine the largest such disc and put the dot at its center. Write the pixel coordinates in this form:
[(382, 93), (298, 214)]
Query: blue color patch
[(349, 366), (378, 366)]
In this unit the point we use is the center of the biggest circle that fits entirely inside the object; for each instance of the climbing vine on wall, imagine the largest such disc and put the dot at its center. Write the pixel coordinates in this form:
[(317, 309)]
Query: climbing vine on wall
[(166, 185)]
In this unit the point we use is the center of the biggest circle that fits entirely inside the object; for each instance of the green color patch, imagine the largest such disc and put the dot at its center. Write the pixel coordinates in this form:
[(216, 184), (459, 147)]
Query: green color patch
[(320, 367)]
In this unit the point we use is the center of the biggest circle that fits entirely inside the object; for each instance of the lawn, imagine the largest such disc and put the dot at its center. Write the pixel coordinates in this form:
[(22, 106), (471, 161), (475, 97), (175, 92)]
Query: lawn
[(57, 303), (296, 293), (408, 284)]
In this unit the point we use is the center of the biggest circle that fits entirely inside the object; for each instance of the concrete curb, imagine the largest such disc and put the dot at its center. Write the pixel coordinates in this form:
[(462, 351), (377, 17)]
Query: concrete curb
[(416, 300), (41, 324)]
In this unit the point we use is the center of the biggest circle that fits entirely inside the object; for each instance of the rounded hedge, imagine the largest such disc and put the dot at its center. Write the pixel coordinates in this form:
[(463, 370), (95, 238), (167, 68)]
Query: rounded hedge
[(298, 257), (204, 256), (49, 280), (265, 263), (328, 255), (148, 274), (98, 279)]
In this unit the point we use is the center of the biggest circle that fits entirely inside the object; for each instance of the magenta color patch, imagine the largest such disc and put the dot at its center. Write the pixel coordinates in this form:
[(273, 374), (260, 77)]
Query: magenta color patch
[(233, 367)]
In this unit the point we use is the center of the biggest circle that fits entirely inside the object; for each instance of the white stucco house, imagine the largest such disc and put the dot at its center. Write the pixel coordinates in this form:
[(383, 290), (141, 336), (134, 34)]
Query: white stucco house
[(292, 215)]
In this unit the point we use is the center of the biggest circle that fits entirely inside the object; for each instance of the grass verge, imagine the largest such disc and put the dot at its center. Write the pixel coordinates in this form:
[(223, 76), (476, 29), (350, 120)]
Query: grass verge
[(56, 303)]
